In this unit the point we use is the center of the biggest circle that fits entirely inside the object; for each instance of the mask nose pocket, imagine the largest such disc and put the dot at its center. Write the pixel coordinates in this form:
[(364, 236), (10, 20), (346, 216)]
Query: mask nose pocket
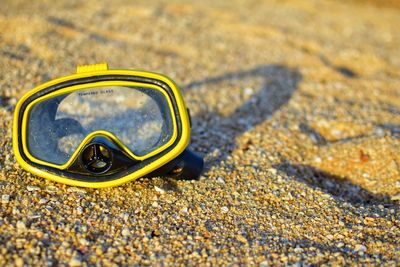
[(97, 158), (101, 156)]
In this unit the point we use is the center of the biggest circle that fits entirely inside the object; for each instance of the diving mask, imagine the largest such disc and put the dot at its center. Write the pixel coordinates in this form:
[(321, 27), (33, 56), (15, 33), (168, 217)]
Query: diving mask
[(101, 127)]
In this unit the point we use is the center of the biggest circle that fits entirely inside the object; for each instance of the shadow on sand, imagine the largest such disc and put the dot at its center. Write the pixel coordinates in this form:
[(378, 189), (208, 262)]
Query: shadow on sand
[(278, 85), (339, 187)]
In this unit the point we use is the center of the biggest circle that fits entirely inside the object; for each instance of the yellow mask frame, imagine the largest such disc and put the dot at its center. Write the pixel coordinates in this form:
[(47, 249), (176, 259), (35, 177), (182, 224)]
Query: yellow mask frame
[(91, 76)]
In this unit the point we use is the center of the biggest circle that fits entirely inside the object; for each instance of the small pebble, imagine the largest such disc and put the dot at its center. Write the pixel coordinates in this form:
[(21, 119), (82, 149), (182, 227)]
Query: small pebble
[(43, 201), (83, 241), (31, 188), (125, 216), (19, 262), (317, 160), (21, 225), (51, 189), (241, 239), (75, 262), (340, 244), (79, 210), (224, 209), (125, 232), (5, 199), (248, 91), (35, 216), (298, 250), (396, 197), (220, 180), (360, 248), (77, 190), (159, 190), (184, 210)]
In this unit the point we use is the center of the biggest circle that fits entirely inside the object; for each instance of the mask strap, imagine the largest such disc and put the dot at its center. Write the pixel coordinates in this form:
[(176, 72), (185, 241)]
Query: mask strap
[(188, 166)]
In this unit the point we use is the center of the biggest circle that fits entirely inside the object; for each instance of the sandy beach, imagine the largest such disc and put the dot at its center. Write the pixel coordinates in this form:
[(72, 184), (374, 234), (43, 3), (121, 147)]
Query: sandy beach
[(295, 106)]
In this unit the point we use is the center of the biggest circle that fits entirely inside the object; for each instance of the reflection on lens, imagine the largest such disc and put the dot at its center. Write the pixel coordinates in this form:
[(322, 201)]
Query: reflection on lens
[(69, 143), (140, 117)]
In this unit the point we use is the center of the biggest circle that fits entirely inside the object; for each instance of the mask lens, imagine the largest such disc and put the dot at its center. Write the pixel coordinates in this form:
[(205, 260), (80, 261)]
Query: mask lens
[(140, 117)]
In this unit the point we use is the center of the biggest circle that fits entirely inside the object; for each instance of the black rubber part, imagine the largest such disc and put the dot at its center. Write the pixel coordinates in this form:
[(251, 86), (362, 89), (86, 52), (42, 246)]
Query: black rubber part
[(118, 160), (187, 166)]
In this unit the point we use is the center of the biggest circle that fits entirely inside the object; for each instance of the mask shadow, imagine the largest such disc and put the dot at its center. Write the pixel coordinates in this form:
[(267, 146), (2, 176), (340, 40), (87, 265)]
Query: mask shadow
[(215, 132)]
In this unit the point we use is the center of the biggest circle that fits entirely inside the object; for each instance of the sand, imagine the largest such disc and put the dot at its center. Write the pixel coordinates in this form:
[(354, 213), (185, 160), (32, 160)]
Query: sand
[(295, 106)]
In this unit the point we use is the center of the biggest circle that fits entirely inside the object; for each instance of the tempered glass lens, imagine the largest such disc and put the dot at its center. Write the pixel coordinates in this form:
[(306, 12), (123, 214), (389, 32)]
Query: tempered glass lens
[(140, 117)]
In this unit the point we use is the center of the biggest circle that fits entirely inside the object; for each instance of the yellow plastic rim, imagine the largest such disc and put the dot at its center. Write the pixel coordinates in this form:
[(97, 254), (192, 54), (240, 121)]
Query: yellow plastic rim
[(178, 148), (110, 135)]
